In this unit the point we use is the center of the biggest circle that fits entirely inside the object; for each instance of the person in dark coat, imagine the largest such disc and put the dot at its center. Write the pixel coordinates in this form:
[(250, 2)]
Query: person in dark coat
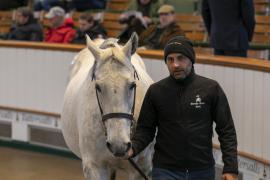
[(230, 25), (180, 111), (157, 35), (87, 25), (11, 4), (139, 15), (46, 5), (84, 5), (26, 27)]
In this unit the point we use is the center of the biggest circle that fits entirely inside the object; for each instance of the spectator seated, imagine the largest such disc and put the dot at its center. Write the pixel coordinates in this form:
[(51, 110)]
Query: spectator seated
[(61, 29), (25, 28), (157, 35), (87, 25)]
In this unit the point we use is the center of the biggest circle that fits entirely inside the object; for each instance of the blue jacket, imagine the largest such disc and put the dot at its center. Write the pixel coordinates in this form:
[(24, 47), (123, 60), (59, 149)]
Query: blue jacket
[(230, 23)]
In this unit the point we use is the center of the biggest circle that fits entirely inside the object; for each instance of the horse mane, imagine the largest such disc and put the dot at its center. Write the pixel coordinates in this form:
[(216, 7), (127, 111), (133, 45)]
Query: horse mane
[(113, 43), (110, 42)]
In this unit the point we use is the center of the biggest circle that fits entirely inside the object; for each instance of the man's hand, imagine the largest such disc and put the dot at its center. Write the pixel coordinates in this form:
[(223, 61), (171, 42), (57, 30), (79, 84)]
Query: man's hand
[(229, 176), (128, 154)]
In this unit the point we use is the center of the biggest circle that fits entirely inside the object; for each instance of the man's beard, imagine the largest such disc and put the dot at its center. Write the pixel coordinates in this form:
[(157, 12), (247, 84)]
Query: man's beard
[(181, 74)]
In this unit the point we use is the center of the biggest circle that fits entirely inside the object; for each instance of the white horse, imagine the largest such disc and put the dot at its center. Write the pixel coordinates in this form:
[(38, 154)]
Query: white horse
[(106, 89)]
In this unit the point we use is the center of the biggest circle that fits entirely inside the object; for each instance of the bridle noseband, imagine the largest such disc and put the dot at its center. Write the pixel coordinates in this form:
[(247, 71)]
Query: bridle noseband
[(107, 116)]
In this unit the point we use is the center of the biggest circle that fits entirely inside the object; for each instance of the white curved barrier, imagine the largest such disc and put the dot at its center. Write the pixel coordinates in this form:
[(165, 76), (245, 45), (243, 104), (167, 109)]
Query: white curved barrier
[(33, 78)]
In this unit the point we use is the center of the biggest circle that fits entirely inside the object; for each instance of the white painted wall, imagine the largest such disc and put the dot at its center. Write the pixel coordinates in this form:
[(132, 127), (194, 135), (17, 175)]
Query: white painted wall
[(33, 79), (36, 79)]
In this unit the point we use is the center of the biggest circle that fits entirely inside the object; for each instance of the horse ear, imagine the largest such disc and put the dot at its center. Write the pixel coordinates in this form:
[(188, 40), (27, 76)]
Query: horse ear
[(131, 46), (92, 47)]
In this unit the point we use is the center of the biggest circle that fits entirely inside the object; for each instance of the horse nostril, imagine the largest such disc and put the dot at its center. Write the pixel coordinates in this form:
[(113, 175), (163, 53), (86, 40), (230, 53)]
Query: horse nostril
[(109, 146), (128, 145)]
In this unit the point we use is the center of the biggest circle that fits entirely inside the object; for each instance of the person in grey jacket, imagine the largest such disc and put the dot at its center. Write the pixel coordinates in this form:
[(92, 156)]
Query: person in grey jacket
[(180, 110), (230, 25)]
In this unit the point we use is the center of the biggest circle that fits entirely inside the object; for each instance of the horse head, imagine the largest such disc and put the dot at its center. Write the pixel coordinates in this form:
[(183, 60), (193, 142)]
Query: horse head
[(115, 81)]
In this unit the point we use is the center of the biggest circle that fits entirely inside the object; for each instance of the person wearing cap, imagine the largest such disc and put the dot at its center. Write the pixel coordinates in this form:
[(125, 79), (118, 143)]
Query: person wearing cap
[(61, 29), (157, 35), (180, 111), (25, 28)]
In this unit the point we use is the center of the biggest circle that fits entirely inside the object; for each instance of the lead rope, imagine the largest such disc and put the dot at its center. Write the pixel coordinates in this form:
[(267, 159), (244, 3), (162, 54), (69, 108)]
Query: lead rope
[(130, 160)]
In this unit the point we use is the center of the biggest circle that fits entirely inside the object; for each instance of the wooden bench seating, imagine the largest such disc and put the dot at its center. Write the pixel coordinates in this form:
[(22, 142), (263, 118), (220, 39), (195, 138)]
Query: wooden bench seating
[(111, 24), (262, 7), (193, 26), (262, 30), (6, 19), (117, 5)]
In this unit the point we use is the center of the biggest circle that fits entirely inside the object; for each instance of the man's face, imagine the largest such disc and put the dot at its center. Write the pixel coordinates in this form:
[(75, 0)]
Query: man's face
[(144, 2), (84, 25), (20, 19), (166, 18), (178, 65), (56, 21)]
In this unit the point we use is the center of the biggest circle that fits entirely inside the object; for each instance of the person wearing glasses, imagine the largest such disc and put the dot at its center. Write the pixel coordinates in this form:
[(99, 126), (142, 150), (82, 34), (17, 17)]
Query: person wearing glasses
[(157, 35)]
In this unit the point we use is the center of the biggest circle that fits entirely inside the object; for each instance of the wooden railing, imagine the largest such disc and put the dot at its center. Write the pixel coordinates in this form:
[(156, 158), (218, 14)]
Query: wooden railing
[(245, 63), (32, 111)]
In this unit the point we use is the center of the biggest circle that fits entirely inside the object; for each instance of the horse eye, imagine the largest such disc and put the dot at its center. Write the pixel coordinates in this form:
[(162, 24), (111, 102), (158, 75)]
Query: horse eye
[(133, 85), (98, 88)]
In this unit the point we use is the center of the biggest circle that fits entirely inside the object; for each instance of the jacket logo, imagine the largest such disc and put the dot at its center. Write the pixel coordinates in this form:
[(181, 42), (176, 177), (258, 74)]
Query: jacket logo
[(198, 102)]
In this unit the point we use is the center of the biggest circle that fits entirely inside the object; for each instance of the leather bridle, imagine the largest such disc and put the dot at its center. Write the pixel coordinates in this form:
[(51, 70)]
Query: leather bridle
[(107, 116), (128, 116)]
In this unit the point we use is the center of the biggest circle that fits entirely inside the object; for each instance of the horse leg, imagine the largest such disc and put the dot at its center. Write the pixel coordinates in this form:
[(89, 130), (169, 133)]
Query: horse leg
[(136, 176), (113, 175), (90, 171), (93, 171)]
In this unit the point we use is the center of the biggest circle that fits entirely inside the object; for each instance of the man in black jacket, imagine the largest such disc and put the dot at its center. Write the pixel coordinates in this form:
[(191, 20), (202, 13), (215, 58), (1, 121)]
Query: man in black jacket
[(26, 27), (87, 25), (183, 107), (230, 25)]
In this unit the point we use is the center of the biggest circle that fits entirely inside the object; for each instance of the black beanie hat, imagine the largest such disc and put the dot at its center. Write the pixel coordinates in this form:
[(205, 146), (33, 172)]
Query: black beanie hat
[(180, 44)]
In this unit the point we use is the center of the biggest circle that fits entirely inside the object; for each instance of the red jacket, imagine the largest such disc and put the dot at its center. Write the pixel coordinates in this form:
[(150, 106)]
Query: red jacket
[(62, 34)]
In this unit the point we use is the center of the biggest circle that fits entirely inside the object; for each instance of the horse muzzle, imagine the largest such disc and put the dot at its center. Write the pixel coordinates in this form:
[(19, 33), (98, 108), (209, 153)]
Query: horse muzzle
[(118, 149)]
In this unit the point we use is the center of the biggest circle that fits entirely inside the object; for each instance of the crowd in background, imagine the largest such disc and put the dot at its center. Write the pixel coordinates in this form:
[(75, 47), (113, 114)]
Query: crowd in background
[(154, 22), (61, 29)]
